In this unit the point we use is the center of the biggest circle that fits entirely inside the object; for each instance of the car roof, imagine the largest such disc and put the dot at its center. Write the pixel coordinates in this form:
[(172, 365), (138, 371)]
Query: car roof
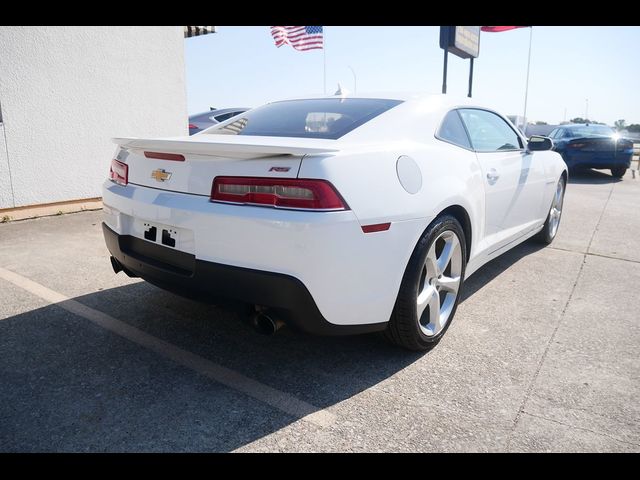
[(387, 95), (583, 125), (417, 113), (427, 107)]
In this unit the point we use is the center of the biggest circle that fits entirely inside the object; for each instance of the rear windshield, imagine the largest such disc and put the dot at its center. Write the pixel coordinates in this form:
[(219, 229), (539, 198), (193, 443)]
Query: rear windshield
[(592, 131), (318, 118)]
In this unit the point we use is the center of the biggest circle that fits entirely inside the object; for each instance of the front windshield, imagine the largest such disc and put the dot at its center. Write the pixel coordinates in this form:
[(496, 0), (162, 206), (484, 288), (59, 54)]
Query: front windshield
[(592, 131)]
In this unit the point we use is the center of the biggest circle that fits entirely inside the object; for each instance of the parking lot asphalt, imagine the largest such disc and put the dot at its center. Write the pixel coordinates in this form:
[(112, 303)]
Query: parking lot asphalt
[(542, 354)]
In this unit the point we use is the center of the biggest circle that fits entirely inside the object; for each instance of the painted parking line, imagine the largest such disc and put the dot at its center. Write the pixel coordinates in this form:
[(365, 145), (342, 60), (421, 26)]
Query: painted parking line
[(280, 400)]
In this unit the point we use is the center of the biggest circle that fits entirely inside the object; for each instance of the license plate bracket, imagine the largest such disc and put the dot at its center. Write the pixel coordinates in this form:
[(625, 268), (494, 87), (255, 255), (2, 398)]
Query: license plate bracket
[(160, 234)]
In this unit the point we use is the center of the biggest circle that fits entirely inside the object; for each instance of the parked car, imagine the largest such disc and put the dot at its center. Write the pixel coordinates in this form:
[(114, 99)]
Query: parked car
[(334, 215), (201, 121), (593, 146)]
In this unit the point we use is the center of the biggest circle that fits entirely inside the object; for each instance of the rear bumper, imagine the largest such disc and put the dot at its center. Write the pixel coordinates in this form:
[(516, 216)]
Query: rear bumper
[(352, 277), (183, 274), (597, 159)]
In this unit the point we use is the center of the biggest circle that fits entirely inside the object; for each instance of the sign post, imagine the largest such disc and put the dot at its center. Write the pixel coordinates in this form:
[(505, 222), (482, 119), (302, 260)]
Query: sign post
[(463, 42)]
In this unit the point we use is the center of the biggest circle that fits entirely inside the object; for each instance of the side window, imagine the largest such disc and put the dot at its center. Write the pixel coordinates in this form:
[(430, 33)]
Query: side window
[(225, 116), (488, 131), (452, 130), (553, 133)]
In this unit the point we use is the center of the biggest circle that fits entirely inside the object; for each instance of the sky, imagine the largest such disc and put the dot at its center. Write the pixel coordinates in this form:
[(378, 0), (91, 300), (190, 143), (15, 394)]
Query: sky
[(574, 70)]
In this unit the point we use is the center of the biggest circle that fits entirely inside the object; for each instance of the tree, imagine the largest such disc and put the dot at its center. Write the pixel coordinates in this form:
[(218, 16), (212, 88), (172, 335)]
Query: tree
[(584, 120), (540, 122), (620, 124), (634, 127)]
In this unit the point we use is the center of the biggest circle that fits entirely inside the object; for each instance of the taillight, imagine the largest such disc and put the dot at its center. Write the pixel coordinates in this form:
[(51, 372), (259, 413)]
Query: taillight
[(119, 172), (301, 194)]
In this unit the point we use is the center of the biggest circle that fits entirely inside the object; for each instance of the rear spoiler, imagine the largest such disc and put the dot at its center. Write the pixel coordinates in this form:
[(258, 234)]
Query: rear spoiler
[(235, 147)]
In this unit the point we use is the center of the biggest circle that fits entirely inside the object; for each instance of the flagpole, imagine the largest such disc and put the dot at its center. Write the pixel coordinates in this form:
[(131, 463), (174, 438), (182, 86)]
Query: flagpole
[(324, 59), (526, 88)]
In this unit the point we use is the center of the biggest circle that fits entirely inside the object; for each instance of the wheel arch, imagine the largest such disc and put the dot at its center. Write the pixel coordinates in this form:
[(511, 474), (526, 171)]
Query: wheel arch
[(461, 214)]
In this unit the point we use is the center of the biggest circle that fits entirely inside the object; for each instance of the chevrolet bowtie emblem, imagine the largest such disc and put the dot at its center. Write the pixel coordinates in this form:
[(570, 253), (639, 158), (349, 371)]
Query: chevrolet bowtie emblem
[(161, 175)]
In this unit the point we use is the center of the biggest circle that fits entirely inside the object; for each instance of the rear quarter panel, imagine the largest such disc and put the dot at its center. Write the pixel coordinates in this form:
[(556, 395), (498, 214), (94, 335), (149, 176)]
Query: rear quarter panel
[(367, 179)]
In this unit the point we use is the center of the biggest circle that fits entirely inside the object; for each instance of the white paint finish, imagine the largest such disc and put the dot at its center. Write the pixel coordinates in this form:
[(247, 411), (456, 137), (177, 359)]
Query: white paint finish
[(409, 174), (311, 246), (353, 277), (66, 91), (278, 399)]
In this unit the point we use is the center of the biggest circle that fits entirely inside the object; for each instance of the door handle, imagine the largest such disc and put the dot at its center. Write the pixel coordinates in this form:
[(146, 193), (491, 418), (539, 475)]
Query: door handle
[(492, 176)]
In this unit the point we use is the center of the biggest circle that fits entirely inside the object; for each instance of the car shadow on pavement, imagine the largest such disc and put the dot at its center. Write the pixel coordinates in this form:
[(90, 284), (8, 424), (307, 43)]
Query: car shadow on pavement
[(71, 385), (495, 267), (593, 177)]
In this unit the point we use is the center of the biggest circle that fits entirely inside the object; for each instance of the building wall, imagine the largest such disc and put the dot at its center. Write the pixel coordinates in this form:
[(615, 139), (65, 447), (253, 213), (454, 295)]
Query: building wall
[(6, 197), (65, 91), (543, 130)]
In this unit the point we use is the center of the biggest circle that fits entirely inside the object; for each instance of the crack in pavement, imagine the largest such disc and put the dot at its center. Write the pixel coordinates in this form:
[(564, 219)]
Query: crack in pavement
[(555, 330), (601, 434), (592, 254)]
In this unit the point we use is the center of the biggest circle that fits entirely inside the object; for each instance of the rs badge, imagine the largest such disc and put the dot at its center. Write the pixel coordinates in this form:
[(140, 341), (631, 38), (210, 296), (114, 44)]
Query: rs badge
[(161, 175)]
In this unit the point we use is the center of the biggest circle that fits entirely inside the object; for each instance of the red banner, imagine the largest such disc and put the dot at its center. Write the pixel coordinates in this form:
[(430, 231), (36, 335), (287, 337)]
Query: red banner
[(500, 29)]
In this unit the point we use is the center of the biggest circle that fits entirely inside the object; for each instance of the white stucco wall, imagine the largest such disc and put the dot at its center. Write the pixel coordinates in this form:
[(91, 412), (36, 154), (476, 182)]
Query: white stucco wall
[(65, 91), (6, 197)]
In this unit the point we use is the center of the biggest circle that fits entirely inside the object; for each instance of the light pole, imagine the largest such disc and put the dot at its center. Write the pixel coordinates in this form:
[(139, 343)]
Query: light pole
[(355, 84), (586, 109), (526, 88)]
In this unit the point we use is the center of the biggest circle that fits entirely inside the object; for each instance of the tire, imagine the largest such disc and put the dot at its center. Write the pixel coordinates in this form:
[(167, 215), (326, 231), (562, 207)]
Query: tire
[(420, 277), (618, 172), (550, 228)]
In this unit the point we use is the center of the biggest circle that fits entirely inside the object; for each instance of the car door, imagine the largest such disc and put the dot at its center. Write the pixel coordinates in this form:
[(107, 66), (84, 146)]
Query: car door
[(513, 182)]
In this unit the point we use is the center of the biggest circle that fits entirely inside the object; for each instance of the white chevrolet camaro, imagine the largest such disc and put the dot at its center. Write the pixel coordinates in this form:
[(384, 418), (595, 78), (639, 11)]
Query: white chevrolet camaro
[(334, 215)]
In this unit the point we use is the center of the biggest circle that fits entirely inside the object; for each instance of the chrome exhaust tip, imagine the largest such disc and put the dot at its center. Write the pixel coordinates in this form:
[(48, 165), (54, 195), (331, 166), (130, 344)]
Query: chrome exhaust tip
[(116, 265), (266, 323)]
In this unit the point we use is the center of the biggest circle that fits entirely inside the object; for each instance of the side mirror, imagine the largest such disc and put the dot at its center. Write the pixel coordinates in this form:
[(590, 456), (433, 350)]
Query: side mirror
[(537, 143)]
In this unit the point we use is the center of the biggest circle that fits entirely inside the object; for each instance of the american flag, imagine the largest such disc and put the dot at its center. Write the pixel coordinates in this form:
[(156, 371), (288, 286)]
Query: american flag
[(300, 38)]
